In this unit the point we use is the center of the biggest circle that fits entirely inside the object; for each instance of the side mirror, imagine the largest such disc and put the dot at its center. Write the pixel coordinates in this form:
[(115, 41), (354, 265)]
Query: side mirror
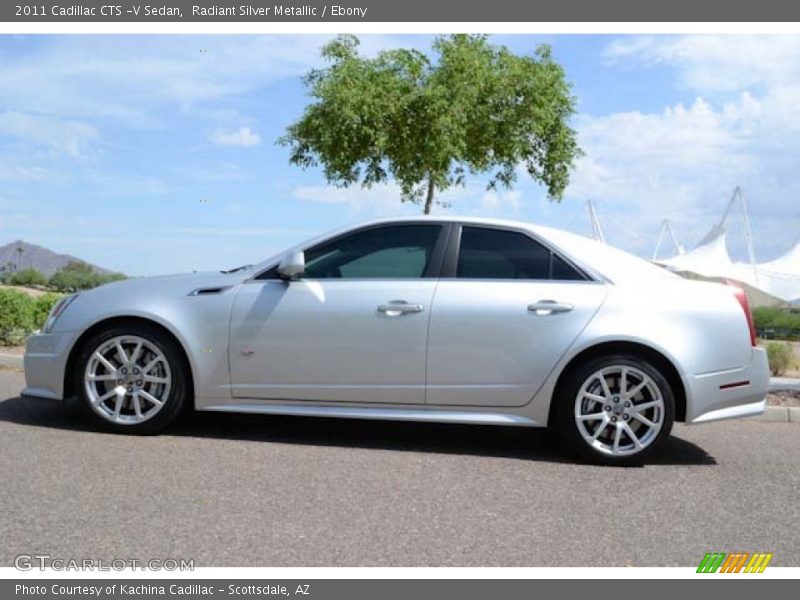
[(292, 266)]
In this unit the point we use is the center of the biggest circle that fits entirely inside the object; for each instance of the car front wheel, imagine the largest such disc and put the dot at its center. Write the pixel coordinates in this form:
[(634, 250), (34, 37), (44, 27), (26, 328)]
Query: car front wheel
[(131, 379), (615, 410)]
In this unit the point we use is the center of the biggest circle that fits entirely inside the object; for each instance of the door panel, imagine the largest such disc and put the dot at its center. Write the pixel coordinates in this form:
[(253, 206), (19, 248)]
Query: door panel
[(331, 340), (487, 348)]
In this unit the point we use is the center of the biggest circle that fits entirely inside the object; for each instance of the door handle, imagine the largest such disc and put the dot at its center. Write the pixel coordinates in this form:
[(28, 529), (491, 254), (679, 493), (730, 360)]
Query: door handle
[(543, 308), (396, 308)]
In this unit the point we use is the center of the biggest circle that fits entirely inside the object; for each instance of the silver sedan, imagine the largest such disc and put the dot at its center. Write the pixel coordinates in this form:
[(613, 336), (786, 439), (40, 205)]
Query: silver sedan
[(423, 319)]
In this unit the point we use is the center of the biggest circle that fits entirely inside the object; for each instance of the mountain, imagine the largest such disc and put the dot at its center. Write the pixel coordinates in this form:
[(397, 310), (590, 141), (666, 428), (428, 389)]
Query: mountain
[(40, 258)]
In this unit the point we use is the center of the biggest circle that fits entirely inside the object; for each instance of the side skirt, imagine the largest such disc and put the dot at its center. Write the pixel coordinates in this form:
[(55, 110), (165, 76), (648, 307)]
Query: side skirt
[(386, 414)]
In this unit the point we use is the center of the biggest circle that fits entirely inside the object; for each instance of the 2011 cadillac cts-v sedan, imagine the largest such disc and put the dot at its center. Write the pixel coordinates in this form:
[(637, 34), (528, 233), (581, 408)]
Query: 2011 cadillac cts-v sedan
[(424, 319)]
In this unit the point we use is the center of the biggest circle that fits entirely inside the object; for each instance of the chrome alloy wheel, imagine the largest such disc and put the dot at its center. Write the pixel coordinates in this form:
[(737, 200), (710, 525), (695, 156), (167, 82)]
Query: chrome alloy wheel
[(127, 380), (619, 410)]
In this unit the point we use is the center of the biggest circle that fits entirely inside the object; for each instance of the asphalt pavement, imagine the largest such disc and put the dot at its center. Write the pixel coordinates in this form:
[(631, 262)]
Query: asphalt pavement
[(244, 490)]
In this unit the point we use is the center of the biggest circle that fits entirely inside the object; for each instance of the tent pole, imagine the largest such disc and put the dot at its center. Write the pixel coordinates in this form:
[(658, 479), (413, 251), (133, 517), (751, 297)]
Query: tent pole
[(674, 237), (597, 231), (666, 227), (728, 207), (748, 234), (660, 237)]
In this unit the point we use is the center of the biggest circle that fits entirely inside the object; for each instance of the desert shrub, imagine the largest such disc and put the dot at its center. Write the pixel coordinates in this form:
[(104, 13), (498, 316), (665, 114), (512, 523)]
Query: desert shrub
[(16, 317), (781, 357), (27, 277), (80, 276)]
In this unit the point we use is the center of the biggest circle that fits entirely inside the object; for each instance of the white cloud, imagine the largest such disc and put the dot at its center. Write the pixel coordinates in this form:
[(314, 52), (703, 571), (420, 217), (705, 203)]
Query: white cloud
[(107, 184), (716, 63), (17, 172), (384, 199), (125, 76), (134, 77), (381, 199), (69, 137), (683, 161), (503, 201), (243, 137)]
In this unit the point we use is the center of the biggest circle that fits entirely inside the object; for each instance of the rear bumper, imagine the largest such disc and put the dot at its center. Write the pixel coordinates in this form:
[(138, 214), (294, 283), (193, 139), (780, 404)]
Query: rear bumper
[(730, 394), (45, 362)]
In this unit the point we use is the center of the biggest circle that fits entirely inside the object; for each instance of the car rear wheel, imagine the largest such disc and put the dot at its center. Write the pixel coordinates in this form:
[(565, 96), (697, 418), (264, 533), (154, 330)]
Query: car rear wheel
[(614, 410), (131, 379)]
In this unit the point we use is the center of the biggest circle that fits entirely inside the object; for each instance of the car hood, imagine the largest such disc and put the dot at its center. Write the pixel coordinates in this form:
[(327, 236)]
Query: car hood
[(178, 283)]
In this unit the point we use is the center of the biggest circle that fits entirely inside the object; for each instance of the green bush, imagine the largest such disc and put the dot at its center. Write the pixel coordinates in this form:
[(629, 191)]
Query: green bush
[(28, 277), (16, 317), (41, 308), (781, 357), (775, 318)]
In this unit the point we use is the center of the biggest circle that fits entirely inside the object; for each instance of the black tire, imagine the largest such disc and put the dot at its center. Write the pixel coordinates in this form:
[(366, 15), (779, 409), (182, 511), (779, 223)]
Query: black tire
[(564, 421), (179, 391)]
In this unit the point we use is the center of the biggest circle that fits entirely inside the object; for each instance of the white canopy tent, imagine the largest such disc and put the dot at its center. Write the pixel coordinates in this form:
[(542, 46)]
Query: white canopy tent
[(779, 278), (709, 258)]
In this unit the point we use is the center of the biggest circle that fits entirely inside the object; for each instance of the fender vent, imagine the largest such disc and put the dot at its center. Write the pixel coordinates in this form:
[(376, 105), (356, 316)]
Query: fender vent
[(208, 291)]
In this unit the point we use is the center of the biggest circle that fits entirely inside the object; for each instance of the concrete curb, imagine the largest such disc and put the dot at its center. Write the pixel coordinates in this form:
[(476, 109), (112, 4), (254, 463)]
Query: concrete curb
[(11, 360), (779, 414), (779, 384)]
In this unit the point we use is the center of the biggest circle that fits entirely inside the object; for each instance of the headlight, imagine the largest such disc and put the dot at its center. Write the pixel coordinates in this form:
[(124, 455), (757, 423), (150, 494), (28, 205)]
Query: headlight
[(57, 310)]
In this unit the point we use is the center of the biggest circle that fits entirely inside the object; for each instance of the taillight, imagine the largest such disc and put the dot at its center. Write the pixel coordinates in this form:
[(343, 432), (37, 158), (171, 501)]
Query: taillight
[(745, 304)]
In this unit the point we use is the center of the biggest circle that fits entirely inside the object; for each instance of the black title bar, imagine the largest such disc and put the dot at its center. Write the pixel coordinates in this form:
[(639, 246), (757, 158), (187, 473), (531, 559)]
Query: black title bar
[(349, 11)]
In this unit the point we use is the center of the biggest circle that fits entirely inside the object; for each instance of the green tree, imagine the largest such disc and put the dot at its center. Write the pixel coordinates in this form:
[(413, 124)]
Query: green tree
[(73, 277), (80, 276), (428, 124), (109, 278), (28, 277)]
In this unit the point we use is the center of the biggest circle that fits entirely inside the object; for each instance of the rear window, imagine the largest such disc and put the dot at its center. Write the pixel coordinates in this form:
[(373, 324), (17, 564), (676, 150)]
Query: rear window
[(612, 262), (490, 253)]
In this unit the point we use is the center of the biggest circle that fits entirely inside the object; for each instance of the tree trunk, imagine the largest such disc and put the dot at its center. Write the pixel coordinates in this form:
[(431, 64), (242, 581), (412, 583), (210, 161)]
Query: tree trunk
[(429, 198)]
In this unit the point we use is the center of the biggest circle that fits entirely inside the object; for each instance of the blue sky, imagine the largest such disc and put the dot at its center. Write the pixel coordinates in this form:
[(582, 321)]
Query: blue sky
[(155, 154)]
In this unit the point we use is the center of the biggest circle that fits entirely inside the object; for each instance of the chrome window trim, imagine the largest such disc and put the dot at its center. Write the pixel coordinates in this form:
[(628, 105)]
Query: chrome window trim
[(451, 237), (451, 261), (435, 264)]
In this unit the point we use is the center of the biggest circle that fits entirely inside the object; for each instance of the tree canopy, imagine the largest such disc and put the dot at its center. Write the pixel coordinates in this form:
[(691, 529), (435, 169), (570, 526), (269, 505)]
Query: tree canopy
[(78, 275), (27, 277), (429, 124)]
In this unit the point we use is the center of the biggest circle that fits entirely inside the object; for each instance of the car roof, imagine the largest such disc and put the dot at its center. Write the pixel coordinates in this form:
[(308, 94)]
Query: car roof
[(448, 219)]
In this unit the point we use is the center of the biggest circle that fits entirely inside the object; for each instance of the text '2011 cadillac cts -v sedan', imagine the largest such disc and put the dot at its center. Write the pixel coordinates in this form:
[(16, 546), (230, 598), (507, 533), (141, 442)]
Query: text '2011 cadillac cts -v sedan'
[(429, 319)]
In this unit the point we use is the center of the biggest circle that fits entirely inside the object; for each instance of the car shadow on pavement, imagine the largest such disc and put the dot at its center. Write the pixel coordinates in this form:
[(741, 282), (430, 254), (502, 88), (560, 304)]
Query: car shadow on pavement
[(491, 441)]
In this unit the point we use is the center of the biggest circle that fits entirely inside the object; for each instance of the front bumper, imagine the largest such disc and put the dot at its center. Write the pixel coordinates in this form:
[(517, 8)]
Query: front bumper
[(45, 363), (730, 394)]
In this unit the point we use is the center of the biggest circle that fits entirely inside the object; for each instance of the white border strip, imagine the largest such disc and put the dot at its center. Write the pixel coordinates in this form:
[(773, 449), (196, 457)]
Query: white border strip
[(398, 28), (299, 27), (310, 573)]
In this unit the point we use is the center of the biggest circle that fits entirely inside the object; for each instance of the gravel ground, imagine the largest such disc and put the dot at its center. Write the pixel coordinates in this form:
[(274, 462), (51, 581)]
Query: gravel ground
[(784, 398), (239, 490), (12, 350)]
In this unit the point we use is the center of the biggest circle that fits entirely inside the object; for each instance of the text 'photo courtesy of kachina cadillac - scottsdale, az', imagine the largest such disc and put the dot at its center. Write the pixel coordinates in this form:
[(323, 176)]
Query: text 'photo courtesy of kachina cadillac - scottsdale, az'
[(342, 300)]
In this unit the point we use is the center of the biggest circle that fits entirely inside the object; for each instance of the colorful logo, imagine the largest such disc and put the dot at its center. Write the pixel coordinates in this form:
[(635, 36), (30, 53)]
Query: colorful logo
[(736, 562)]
